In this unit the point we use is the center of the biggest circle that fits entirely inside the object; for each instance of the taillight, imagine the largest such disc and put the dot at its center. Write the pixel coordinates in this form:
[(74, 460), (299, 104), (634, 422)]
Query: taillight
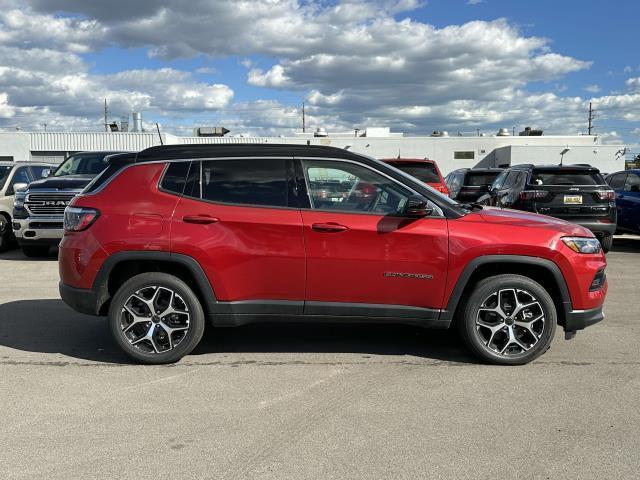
[(442, 189), (533, 195), (77, 219), (606, 195)]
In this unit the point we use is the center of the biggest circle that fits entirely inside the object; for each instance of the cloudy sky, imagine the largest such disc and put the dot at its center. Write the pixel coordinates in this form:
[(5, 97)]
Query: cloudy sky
[(416, 66)]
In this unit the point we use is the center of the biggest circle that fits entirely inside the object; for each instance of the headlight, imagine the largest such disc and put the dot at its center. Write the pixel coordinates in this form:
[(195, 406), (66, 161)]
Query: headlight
[(583, 244), (18, 200)]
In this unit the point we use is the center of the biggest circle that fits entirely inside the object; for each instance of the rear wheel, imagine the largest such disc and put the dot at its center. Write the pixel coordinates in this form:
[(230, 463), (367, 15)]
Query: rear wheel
[(7, 239), (156, 318), (508, 320), (607, 242), (34, 251)]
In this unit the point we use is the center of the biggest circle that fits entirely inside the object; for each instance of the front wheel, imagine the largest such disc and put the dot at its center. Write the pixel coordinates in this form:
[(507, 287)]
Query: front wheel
[(508, 320), (156, 318)]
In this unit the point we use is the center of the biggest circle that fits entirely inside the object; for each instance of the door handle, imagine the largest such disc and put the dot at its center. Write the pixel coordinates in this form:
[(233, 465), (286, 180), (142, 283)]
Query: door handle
[(200, 219), (620, 196), (329, 227)]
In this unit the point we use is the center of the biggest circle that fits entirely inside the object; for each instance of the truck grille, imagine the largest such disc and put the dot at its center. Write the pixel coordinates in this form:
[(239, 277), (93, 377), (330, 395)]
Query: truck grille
[(50, 204)]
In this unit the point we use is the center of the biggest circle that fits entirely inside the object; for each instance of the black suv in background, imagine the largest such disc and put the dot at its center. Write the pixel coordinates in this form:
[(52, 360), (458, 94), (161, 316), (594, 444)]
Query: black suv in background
[(576, 193), (469, 184)]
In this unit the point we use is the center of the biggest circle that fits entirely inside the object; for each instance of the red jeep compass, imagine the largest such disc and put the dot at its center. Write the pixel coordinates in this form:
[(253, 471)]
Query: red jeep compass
[(169, 238), (421, 168)]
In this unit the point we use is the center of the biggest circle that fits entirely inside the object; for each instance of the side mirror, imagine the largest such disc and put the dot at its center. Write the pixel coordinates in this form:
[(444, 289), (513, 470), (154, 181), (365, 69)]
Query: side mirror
[(45, 173), (635, 188), (15, 187), (417, 206)]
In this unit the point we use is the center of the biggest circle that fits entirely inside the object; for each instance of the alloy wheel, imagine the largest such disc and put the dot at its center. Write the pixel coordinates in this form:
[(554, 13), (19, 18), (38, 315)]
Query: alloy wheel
[(510, 322), (155, 319)]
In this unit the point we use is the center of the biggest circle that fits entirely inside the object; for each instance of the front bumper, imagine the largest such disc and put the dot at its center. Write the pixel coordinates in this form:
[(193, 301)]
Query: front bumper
[(580, 319), (80, 299), (38, 231)]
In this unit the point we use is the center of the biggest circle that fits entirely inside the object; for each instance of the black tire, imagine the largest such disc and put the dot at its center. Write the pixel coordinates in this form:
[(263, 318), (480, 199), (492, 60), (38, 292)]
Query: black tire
[(7, 238), (607, 242), (35, 251), (474, 336), (193, 310)]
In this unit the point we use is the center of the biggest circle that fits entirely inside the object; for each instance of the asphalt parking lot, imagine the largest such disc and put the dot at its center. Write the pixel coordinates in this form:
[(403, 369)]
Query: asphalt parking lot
[(312, 402)]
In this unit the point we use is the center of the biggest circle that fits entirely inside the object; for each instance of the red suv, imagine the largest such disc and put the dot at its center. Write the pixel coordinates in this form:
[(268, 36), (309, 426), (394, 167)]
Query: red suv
[(168, 239), (423, 169)]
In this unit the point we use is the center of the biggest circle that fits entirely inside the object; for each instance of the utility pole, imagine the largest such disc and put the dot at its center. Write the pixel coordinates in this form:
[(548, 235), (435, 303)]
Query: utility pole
[(591, 117), (106, 111), (304, 123)]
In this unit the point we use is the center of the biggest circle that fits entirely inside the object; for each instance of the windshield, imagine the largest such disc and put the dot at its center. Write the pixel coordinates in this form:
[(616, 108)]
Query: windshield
[(422, 171), (480, 179), (81, 164), (4, 174), (566, 177)]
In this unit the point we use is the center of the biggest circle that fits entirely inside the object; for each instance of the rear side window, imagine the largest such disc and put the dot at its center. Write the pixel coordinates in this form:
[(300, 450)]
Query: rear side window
[(246, 182), (480, 179), (101, 179), (497, 183), (633, 183), (566, 177), (175, 177), (425, 172), (511, 180)]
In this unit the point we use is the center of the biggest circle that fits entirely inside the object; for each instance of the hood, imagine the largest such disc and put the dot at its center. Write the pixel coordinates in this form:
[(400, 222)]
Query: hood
[(519, 218), (67, 182)]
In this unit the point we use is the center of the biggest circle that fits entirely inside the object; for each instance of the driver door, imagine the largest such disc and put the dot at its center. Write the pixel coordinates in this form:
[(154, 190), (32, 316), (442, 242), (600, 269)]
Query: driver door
[(363, 256)]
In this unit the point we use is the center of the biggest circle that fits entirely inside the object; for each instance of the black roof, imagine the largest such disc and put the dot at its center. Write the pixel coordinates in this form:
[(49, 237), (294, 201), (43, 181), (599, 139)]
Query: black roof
[(171, 152)]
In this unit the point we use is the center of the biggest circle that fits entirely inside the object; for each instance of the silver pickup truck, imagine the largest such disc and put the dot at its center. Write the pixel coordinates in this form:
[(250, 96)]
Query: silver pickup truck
[(38, 211)]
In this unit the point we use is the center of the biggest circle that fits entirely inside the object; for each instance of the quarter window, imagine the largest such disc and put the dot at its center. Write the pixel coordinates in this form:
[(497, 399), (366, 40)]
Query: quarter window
[(246, 182), (348, 187), (175, 177)]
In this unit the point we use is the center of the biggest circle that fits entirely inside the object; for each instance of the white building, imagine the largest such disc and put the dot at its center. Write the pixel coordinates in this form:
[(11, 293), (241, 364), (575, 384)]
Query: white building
[(450, 152)]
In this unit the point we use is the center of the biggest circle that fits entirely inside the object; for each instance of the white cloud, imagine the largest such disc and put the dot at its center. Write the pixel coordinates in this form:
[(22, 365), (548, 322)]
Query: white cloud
[(356, 62), (592, 88), (474, 2)]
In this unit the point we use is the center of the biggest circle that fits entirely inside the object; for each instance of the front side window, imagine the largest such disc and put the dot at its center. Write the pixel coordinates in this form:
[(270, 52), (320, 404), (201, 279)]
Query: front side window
[(499, 181), (21, 176), (261, 182), (348, 187), (5, 170), (40, 171)]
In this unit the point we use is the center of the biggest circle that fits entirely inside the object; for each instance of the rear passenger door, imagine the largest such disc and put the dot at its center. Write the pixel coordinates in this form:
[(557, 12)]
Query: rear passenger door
[(240, 220)]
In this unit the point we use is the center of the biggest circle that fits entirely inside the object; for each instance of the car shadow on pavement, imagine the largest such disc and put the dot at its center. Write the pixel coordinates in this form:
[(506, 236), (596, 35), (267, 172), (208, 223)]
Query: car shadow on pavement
[(16, 255), (50, 326), (626, 244)]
